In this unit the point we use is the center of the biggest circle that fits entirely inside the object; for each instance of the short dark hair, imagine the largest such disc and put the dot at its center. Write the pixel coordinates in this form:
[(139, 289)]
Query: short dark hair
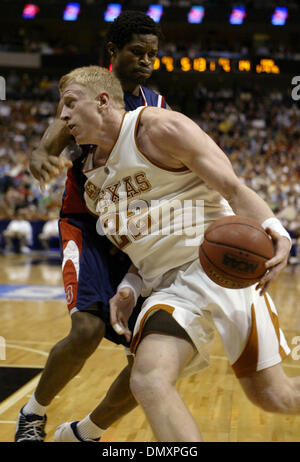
[(128, 23)]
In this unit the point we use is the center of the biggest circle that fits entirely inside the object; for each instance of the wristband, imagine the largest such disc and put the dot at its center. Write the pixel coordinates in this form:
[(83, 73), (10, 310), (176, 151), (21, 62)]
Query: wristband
[(274, 223), (134, 282)]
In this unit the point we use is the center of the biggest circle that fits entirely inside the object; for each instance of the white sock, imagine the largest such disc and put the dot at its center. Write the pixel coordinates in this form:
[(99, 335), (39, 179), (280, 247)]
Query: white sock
[(87, 429), (33, 407)]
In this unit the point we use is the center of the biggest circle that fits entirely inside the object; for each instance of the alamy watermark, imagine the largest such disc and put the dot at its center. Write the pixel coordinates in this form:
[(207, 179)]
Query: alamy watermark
[(296, 350), (296, 89), (2, 88), (2, 349), (131, 221)]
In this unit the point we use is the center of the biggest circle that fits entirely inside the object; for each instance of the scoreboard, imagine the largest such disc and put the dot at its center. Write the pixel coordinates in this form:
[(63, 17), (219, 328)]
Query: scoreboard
[(215, 65)]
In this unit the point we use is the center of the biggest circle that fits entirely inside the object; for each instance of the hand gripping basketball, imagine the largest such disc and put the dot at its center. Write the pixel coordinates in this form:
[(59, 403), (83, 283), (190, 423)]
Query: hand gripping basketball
[(234, 252)]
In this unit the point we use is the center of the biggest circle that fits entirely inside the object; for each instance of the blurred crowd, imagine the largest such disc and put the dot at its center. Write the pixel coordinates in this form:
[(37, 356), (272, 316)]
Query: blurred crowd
[(207, 47), (212, 47), (22, 126), (25, 86), (258, 130), (28, 40), (23, 44)]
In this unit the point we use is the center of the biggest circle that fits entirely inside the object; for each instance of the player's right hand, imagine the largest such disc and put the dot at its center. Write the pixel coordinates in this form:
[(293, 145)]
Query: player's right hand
[(276, 264), (44, 167), (121, 306)]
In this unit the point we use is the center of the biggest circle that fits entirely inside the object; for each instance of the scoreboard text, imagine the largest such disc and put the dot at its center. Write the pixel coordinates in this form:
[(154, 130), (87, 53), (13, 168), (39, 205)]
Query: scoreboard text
[(201, 64)]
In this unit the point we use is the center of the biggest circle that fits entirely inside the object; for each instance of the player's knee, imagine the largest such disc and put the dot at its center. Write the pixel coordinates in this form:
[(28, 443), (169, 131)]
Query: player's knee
[(86, 333), (147, 387)]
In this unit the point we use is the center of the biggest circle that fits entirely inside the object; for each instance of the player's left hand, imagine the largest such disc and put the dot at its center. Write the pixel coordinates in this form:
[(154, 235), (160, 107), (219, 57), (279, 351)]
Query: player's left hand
[(276, 264), (121, 306), (45, 167)]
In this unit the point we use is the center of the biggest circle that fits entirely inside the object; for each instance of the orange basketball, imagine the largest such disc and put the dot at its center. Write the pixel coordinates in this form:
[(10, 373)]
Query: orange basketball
[(234, 252)]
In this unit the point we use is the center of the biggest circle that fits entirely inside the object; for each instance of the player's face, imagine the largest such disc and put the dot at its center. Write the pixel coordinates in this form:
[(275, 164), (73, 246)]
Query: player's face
[(134, 62), (80, 113)]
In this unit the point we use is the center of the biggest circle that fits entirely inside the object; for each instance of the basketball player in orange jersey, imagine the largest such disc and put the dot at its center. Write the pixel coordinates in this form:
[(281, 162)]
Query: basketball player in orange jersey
[(91, 275), (152, 159)]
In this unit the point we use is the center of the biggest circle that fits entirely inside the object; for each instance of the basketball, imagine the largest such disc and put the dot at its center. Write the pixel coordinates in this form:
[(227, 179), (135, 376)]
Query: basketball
[(234, 252)]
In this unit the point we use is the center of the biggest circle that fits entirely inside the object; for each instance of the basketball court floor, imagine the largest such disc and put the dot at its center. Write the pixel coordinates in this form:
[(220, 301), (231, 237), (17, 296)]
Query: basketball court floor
[(33, 317)]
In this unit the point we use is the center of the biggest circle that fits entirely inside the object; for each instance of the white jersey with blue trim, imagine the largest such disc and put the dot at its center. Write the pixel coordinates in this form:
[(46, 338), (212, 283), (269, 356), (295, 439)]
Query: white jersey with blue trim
[(156, 216)]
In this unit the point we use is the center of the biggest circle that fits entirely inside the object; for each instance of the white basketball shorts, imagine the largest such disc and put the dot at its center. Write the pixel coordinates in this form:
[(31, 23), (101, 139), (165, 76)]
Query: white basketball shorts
[(246, 321)]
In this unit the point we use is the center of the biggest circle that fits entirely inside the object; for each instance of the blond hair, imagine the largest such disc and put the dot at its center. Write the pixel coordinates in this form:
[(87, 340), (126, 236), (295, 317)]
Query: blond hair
[(96, 79)]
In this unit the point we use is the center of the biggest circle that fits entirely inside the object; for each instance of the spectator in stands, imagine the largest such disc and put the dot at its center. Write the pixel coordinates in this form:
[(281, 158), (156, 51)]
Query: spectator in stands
[(18, 230), (258, 129), (50, 230)]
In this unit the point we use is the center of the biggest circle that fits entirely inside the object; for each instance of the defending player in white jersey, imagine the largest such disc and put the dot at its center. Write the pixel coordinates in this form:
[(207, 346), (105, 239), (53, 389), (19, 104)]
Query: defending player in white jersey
[(153, 157)]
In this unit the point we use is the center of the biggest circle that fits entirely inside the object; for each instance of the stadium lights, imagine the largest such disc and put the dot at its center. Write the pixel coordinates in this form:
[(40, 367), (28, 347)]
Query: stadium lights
[(112, 11), (279, 16), (237, 15), (71, 11), (30, 10), (196, 14), (155, 12)]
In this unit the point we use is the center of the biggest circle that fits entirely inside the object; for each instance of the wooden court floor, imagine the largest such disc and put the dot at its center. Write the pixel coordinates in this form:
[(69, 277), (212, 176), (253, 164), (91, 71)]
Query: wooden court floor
[(31, 327)]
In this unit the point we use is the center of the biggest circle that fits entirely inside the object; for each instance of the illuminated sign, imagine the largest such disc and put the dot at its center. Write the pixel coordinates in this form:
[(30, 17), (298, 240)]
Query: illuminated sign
[(268, 66), (112, 11), (237, 15), (244, 65), (71, 12), (224, 63), (30, 11), (196, 15), (186, 64), (155, 12), (221, 64), (168, 62), (279, 16), (200, 64)]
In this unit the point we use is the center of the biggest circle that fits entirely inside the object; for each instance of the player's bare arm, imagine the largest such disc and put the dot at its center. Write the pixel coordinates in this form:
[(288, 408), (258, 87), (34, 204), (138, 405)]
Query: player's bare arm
[(176, 141), (45, 163)]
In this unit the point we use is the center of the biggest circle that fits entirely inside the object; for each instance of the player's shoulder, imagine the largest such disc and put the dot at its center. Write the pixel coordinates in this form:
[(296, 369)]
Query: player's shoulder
[(155, 114), (161, 124), (152, 97), (151, 113)]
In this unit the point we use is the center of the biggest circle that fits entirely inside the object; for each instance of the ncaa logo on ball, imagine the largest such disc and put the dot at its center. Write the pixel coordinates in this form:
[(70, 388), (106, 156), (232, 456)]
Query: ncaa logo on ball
[(238, 264)]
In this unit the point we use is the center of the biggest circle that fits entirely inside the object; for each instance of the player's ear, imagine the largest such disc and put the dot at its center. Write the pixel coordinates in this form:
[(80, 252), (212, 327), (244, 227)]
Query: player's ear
[(111, 49), (102, 100)]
